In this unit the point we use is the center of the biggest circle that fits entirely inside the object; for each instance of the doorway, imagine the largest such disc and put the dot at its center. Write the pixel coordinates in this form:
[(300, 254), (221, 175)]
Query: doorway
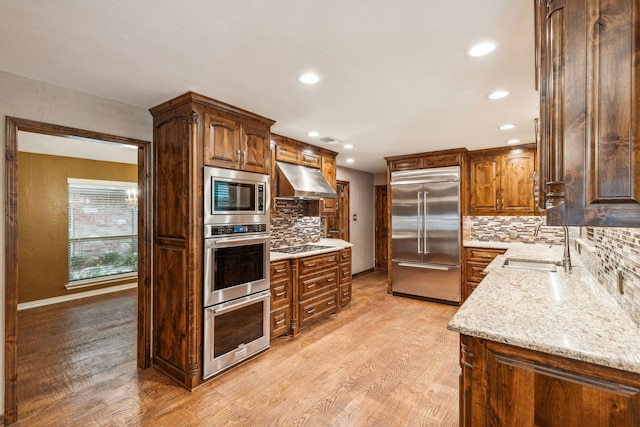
[(338, 225), (13, 127)]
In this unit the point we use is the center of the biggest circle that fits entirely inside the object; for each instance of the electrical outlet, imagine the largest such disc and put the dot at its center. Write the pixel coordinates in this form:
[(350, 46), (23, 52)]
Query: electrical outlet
[(620, 282), (513, 235)]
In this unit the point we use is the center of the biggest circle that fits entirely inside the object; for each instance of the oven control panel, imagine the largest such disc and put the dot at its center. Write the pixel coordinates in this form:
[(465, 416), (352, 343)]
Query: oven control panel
[(233, 229)]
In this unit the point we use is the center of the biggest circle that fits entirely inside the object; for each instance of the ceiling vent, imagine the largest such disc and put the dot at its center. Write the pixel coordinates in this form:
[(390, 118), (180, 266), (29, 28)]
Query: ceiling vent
[(328, 140)]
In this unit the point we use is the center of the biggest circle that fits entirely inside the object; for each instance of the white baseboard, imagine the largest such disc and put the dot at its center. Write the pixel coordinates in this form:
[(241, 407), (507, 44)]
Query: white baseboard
[(71, 297)]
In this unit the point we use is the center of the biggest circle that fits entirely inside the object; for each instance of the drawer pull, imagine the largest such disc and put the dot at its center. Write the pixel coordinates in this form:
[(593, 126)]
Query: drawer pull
[(281, 270), (311, 310), (279, 321), (330, 302), (311, 264), (279, 294), (310, 285), (330, 279)]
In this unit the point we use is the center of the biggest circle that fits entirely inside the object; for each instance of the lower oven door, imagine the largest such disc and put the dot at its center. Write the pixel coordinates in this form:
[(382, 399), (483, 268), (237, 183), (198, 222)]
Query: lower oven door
[(234, 331), (235, 267)]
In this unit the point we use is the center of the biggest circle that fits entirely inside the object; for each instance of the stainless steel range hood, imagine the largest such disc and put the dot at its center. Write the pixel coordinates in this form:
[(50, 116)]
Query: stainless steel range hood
[(302, 182)]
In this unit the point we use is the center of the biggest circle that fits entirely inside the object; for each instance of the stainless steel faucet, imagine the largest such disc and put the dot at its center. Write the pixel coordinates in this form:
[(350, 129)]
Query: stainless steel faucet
[(566, 257)]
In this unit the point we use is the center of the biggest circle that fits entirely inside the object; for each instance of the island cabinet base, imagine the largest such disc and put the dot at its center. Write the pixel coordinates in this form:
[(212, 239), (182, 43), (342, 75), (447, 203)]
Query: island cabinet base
[(503, 385)]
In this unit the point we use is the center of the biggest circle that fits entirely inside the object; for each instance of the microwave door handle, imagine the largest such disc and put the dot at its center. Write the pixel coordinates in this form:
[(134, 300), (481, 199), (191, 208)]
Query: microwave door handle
[(250, 300)]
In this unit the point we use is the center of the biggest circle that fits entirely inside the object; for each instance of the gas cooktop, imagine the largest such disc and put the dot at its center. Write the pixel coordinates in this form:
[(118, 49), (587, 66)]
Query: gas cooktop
[(300, 249)]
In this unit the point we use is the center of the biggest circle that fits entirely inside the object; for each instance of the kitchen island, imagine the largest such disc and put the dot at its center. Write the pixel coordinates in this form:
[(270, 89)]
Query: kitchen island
[(545, 348)]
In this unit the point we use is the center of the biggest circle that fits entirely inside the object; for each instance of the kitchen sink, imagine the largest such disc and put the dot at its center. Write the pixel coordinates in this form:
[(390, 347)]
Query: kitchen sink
[(530, 265)]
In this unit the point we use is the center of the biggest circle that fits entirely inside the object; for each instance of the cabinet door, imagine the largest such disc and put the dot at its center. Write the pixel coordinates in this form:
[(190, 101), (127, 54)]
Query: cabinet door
[(516, 186), (221, 142), (255, 150), (328, 206), (484, 184), (591, 100)]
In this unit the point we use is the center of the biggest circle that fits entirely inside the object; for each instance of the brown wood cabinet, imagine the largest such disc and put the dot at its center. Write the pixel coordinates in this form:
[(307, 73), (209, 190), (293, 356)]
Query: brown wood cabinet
[(476, 260), (316, 289), (433, 159), (329, 171), (504, 385), (501, 181), (589, 85), (289, 150), (344, 292), (184, 130), (234, 142), (281, 297)]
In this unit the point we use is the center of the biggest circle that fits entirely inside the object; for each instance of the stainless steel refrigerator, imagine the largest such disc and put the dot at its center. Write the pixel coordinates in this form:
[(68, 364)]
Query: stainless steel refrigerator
[(425, 233)]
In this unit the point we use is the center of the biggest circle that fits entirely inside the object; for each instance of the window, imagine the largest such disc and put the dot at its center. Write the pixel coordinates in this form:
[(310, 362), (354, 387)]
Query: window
[(103, 230)]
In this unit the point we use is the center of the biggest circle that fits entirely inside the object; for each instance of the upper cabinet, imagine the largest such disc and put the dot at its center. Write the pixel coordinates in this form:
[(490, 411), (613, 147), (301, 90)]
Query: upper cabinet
[(236, 142), (501, 181), (293, 151), (589, 82)]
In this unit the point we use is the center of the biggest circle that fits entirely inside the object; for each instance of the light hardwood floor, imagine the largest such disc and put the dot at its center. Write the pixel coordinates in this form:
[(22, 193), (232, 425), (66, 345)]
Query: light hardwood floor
[(382, 361)]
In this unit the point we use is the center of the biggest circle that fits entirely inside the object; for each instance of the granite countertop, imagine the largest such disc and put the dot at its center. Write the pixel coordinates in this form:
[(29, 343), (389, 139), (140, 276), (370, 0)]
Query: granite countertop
[(335, 245), (557, 313)]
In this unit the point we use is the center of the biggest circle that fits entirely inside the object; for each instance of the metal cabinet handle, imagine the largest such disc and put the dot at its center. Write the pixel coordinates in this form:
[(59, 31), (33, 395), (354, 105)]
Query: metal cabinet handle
[(279, 294), (311, 264), (330, 279), (280, 321), (331, 302), (311, 310), (281, 270), (310, 285)]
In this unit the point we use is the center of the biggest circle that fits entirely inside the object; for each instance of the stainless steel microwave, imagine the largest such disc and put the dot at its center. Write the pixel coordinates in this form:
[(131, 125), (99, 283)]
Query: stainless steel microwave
[(232, 197)]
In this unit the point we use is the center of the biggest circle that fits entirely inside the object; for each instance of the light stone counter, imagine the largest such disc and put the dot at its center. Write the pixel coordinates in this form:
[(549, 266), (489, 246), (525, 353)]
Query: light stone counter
[(557, 313), (335, 245)]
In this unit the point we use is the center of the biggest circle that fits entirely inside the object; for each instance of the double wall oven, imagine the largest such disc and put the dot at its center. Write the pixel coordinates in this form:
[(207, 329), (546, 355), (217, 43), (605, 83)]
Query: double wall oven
[(236, 267)]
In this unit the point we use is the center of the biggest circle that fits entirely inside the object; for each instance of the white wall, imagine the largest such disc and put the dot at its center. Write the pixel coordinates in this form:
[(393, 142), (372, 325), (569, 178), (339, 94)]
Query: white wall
[(29, 99), (361, 203)]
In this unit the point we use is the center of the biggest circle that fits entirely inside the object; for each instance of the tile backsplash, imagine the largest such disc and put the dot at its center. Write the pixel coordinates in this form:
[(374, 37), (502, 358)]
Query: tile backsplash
[(609, 251), (289, 227), (511, 229)]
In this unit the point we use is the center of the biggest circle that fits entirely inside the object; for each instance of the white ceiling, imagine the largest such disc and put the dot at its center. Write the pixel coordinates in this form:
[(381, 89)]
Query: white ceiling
[(395, 76)]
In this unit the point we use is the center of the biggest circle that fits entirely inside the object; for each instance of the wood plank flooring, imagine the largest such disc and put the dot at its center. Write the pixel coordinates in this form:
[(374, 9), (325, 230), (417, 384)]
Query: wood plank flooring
[(382, 361)]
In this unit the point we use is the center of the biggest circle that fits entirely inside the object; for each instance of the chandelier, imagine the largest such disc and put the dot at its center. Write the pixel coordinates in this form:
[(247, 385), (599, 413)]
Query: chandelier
[(132, 198)]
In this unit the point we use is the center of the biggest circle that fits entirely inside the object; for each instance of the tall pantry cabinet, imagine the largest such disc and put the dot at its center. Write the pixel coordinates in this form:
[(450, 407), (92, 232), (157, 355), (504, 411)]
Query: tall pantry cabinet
[(189, 132)]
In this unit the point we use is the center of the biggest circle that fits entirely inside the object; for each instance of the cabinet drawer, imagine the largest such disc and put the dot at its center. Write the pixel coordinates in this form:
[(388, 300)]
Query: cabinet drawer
[(280, 270), (280, 320), (317, 283), (483, 255), (475, 271), (345, 294), (345, 273), (317, 308), (345, 256), (317, 262), (280, 293)]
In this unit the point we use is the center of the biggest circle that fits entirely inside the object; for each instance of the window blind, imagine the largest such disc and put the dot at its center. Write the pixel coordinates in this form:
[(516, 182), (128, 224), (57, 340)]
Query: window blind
[(103, 229)]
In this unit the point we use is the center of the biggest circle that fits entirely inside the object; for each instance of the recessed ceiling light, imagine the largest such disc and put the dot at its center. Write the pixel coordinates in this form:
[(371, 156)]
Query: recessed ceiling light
[(482, 49), (513, 141), (350, 160), (498, 94), (309, 78), (313, 133), (348, 146), (507, 126)]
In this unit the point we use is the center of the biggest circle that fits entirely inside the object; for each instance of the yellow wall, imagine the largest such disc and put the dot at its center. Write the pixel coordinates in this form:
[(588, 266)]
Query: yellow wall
[(43, 237)]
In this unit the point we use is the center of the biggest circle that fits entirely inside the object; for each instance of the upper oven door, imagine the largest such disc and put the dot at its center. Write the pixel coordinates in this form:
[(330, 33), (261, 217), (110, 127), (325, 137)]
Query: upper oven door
[(235, 196), (235, 267)]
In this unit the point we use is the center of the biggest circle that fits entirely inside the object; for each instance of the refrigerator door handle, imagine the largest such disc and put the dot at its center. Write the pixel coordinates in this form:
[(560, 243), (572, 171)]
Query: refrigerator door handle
[(425, 235), (426, 266), (419, 223)]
